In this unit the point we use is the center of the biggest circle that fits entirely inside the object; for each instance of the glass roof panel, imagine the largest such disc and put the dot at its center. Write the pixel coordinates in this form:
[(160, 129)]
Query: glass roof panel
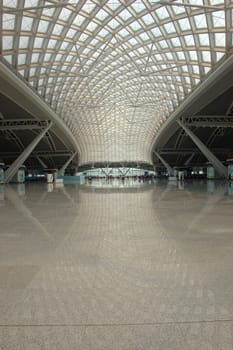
[(65, 14), (10, 3), (43, 26), (162, 13), (148, 19), (220, 39), (115, 70), (184, 24), (8, 21), (200, 21), (7, 42), (169, 28), (26, 24)]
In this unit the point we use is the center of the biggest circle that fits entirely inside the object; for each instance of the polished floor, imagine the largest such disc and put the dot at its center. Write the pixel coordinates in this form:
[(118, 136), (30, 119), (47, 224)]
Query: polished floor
[(116, 266)]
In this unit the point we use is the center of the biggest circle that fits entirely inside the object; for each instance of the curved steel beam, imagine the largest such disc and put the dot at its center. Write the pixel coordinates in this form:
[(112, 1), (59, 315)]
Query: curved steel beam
[(213, 86), (17, 91)]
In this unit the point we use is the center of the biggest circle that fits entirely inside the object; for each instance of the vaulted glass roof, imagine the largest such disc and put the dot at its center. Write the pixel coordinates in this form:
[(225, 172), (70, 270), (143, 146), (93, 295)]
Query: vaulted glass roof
[(115, 70)]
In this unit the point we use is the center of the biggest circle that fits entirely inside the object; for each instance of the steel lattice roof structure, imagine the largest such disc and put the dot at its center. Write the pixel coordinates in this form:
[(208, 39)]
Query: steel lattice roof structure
[(114, 71)]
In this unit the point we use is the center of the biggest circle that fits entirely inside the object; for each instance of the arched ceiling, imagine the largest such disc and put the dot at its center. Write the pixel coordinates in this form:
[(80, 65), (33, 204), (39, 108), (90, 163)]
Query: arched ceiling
[(115, 70)]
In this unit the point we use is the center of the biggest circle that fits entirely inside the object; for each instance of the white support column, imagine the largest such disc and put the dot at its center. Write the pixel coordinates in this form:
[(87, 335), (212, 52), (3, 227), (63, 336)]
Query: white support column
[(169, 168), (62, 170), (219, 167), (12, 170), (42, 163)]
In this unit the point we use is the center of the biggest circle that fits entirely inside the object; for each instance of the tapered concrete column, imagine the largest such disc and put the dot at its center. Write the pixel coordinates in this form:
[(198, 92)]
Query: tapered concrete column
[(219, 167), (169, 168), (62, 170), (10, 172)]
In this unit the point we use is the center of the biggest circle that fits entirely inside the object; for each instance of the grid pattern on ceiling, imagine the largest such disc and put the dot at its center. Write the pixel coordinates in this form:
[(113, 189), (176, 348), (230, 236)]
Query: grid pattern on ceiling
[(114, 70)]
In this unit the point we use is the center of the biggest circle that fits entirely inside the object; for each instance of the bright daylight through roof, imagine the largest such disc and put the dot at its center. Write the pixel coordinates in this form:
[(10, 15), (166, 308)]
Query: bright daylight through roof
[(115, 70)]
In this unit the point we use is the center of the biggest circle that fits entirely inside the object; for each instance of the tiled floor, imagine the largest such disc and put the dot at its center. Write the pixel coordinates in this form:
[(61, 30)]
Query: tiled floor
[(116, 266)]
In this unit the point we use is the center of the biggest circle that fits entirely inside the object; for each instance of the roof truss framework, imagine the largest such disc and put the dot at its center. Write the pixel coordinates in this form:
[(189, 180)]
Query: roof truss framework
[(114, 70)]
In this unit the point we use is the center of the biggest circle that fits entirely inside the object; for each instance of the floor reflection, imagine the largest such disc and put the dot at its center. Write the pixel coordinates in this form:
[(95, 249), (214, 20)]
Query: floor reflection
[(117, 254)]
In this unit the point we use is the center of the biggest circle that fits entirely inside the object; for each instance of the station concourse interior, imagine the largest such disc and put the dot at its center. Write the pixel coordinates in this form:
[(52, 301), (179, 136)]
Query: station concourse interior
[(116, 175)]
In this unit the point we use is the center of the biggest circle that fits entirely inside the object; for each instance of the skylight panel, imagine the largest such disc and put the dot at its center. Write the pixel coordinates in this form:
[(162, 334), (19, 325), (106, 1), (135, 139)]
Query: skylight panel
[(220, 39), (125, 15), (200, 21), (169, 28), (31, 3), (64, 45), (156, 31), (94, 42), (163, 44), (58, 57), (113, 5), (57, 29), (49, 12), (196, 2), (65, 14), (219, 55), (141, 50), (41, 82), (189, 40), (218, 19), (8, 21), (180, 55), (195, 69), (38, 42), (204, 39), (26, 23), (138, 7), (23, 42), (135, 25), (113, 23), (7, 42), (162, 13), (176, 42), (88, 7), (133, 41), (103, 32), (206, 56), (52, 43), (71, 33), (69, 58), (32, 71), (193, 55), (148, 19), (169, 56), (184, 24), (144, 36), (43, 26), (158, 57), (101, 15), (10, 3), (178, 10), (184, 69), (78, 21), (217, 2), (35, 57), (207, 69), (86, 51), (83, 37), (92, 26), (21, 58), (123, 32), (131, 54), (47, 57)]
